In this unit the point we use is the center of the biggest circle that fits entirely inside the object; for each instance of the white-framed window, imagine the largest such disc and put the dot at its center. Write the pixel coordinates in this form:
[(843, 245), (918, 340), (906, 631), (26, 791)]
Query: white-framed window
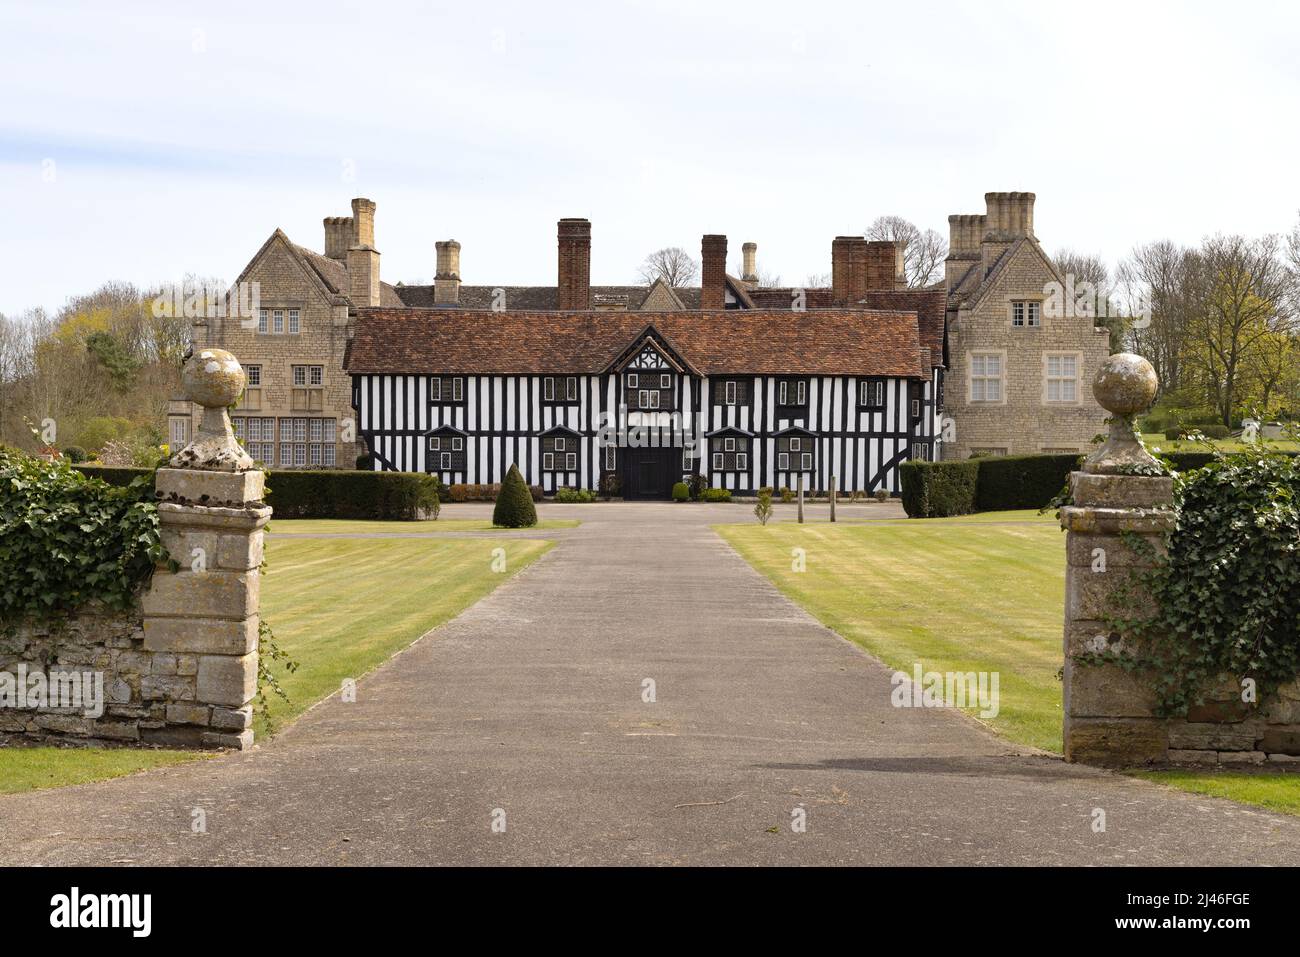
[(688, 460), (178, 432), (718, 461), (1062, 376), (254, 374), (632, 381), (872, 394), (665, 381), (794, 443), (643, 399), (293, 321), (457, 443), (729, 391), (921, 451), (263, 321), (315, 375), (792, 393), (435, 443), (571, 461), (783, 461), (916, 408), (559, 443), (548, 462), (611, 457), (742, 461), (277, 321), (805, 462), (435, 389), (571, 388), (986, 377), (1026, 312), (729, 445), (548, 389), (457, 389), (444, 461)]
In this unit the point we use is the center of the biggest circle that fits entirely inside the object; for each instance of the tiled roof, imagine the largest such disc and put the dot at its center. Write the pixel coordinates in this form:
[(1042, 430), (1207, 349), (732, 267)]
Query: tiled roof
[(534, 298), (929, 304), (737, 342)]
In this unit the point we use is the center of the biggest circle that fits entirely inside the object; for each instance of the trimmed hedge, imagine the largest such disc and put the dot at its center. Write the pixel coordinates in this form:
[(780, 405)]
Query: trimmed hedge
[(939, 489), (1008, 482), (325, 493), (716, 495)]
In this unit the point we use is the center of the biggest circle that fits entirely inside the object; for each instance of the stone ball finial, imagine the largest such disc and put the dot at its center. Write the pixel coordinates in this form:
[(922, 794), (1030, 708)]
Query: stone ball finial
[(213, 378), (1125, 385)]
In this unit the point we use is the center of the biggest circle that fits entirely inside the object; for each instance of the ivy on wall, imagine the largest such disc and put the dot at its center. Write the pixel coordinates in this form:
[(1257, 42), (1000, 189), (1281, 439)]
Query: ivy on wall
[(67, 539), (1228, 593)]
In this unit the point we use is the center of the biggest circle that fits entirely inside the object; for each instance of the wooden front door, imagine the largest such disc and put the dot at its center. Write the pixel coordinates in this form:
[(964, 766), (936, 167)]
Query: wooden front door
[(650, 473)]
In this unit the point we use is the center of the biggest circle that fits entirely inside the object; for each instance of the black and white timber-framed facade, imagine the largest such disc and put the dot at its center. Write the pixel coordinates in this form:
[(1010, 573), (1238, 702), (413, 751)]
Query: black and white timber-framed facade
[(746, 400)]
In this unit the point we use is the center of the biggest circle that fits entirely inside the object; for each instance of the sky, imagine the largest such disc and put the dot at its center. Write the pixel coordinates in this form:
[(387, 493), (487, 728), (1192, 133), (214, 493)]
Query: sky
[(145, 142)]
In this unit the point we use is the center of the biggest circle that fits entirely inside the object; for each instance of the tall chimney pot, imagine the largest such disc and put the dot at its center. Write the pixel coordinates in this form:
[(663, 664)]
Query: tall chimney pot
[(446, 283), (749, 268)]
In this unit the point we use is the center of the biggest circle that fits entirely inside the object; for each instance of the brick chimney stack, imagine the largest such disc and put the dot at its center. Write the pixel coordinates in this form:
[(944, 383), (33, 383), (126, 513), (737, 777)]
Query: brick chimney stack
[(749, 269), (713, 271), (446, 283), (363, 258), (883, 265), (573, 290), (848, 269), (338, 237)]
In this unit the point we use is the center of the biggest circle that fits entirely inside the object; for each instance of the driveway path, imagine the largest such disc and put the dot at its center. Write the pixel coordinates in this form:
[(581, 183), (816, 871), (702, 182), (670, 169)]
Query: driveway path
[(531, 703)]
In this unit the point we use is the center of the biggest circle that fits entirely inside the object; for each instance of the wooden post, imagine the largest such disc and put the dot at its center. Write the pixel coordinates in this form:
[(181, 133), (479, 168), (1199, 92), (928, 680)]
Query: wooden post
[(800, 498), (832, 498)]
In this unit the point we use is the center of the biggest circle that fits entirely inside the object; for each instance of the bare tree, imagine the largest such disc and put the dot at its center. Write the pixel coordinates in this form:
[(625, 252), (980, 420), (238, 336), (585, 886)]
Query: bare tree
[(673, 265), (923, 252), (817, 280), (1160, 274)]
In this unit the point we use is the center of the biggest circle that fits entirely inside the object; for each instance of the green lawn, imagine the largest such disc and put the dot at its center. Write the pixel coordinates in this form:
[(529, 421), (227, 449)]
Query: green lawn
[(29, 769), (1158, 440), (958, 594), (341, 526), (1275, 790), (339, 607)]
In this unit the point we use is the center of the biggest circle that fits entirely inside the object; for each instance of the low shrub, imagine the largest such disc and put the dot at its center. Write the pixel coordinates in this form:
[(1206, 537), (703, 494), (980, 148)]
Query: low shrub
[(698, 483), (394, 496), (461, 492), (1022, 481), (514, 507), (74, 454), (716, 495), (763, 507), (610, 485), (1174, 434), (681, 492), (574, 496), (787, 496), (882, 495), (940, 489), (1216, 431)]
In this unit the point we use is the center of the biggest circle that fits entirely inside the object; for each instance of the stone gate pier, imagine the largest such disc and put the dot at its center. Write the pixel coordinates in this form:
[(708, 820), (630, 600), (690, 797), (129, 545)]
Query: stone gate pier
[(178, 668), (1116, 530)]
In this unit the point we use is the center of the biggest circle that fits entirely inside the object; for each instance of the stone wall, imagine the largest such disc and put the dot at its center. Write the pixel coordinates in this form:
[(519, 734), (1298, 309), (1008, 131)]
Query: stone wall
[(178, 669)]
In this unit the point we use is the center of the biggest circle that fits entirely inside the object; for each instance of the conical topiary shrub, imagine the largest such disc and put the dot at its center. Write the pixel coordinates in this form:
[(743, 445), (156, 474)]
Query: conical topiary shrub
[(514, 508)]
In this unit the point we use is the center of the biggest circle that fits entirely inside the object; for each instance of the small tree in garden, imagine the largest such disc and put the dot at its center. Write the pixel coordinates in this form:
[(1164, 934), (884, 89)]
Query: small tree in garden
[(763, 507), (514, 508)]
